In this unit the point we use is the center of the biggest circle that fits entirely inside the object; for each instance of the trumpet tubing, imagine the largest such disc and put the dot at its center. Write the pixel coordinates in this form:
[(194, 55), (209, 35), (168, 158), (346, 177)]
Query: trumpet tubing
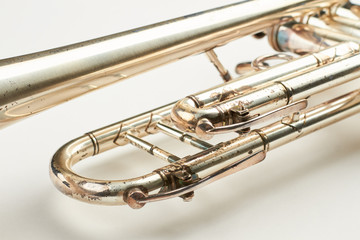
[(35, 82), (266, 105), (237, 153)]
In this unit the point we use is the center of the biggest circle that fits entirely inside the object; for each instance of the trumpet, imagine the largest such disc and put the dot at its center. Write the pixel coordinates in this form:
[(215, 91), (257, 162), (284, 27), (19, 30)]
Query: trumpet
[(323, 33)]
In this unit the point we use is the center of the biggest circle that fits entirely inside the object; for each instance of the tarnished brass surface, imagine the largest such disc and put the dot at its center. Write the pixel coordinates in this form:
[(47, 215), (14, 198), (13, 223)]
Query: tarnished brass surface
[(279, 89), (266, 138), (266, 107), (35, 82)]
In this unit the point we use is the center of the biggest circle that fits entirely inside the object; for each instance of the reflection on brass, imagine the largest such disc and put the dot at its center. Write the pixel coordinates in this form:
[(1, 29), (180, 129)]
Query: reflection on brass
[(266, 106)]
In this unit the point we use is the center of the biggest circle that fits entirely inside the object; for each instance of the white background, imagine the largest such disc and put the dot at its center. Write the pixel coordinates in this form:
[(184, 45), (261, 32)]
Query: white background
[(308, 189)]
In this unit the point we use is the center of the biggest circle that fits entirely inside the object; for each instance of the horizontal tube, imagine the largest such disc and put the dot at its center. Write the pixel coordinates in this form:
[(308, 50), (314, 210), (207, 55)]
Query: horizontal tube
[(269, 137), (229, 157), (187, 113), (276, 73), (333, 31), (35, 82), (276, 134)]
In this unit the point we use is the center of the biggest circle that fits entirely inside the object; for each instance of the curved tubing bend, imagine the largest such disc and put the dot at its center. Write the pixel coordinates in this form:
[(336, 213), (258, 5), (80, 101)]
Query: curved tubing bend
[(92, 190)]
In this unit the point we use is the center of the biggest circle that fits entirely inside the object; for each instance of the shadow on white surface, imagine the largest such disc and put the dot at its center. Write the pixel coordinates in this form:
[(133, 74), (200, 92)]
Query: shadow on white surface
[(290, 195)]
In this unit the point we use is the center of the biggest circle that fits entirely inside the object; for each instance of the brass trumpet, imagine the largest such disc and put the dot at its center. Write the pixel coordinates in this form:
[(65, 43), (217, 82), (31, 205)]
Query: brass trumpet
[(323, 32), (264, 94)]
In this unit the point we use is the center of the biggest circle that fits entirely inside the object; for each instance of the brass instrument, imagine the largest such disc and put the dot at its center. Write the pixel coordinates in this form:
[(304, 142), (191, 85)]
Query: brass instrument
[(323, 32)]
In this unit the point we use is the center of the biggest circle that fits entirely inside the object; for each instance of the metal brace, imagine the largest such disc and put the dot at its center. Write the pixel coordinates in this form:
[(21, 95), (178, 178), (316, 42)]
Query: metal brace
[(256, 119)]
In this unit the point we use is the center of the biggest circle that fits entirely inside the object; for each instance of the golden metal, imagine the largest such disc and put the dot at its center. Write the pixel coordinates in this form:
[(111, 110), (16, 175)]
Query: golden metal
[(35, 82), (220, 106), (266, 107)]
